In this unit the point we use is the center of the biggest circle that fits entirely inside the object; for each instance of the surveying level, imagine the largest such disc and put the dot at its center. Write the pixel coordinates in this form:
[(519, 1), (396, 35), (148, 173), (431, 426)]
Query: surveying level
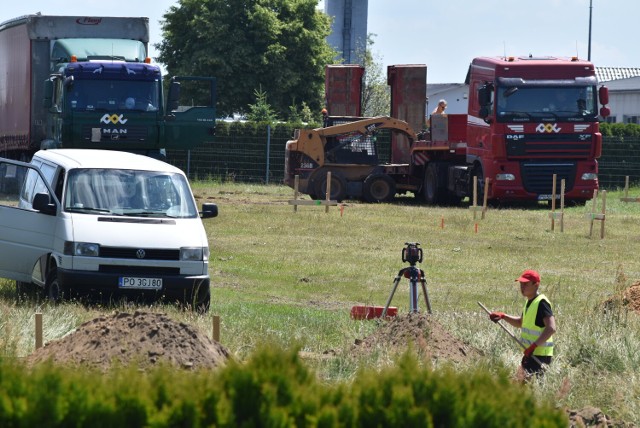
[(412, 254)]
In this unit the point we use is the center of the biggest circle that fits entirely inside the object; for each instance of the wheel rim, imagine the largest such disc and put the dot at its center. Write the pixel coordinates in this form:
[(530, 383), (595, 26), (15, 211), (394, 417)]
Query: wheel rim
[(55, 292)]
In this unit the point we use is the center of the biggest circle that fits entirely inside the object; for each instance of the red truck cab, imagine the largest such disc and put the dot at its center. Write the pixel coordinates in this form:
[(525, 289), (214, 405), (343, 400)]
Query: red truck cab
[(541, 118)]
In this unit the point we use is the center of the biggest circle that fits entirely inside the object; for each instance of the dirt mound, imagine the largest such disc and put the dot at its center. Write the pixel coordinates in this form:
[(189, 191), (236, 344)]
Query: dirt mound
[(629, 298), (143, 338), (426, 335), (593, 417)]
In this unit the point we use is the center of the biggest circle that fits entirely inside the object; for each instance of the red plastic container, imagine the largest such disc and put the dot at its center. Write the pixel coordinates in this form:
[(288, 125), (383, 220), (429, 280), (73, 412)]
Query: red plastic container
[(371, 312)]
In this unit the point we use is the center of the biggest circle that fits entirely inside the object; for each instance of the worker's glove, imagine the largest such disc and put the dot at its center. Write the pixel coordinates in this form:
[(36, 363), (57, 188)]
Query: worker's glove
[(529, 351), (496, 316)]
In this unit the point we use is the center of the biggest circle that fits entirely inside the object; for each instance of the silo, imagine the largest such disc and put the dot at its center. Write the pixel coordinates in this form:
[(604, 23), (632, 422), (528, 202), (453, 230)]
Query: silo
[(349, 28)]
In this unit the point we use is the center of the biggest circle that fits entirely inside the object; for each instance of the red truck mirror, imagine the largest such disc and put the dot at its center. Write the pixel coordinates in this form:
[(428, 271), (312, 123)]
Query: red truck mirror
[(603, 93)]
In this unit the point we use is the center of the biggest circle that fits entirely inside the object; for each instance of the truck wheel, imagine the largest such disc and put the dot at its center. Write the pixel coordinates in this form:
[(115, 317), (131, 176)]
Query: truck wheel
[(338, 186), (379, 188), (477, 172), (433, 187), (56, 292)]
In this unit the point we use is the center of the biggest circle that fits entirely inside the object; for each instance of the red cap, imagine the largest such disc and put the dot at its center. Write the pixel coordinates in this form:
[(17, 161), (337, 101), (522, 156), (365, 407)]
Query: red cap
[(529, 275)]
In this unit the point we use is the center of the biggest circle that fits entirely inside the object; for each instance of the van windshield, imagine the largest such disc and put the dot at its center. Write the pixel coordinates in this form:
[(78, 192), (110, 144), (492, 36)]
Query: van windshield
[(128, 193)]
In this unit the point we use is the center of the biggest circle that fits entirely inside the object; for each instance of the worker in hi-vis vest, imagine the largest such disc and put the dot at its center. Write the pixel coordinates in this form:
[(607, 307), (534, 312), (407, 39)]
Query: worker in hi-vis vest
[(537, 325)]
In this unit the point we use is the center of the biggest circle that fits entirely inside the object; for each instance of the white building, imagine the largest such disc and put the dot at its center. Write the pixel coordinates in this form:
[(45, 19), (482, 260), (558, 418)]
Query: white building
[(624, 93)]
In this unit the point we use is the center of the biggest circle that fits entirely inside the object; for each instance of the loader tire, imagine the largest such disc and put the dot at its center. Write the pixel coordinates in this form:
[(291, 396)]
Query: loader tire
[(379, 188), (338, 186)]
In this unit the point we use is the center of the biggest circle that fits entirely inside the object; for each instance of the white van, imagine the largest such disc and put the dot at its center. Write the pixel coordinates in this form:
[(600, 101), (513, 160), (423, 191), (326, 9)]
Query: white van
[(106, 222)]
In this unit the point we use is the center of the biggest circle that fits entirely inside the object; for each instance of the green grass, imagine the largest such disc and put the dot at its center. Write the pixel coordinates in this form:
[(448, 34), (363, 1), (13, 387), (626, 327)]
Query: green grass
[(291, 279)]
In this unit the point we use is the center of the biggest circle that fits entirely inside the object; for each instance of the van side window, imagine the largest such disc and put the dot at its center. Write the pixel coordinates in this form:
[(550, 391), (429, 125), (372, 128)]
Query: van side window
[(33, 184), (11, 183)]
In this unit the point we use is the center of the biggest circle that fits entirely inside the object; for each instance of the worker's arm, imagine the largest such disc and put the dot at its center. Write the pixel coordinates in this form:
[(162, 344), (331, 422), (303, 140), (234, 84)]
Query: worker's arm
[(549, 330), (514, 321)]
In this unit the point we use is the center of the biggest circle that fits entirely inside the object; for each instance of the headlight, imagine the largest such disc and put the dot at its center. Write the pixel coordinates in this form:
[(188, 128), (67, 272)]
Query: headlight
[(83, 249), (190, 253), (589, 176), (505, 177)]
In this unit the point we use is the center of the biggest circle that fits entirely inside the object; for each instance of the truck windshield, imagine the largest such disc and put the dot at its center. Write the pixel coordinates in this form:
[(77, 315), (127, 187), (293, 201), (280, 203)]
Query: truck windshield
[(113, 95), (534, 103), (128, 193)]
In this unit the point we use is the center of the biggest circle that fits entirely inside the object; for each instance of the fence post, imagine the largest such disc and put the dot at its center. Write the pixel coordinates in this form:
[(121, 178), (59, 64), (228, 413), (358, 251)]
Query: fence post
[(266, 179), (189, 163)]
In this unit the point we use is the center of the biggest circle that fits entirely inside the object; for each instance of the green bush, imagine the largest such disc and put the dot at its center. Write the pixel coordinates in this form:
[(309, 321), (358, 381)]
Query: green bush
[(630, 130), (273, 388)]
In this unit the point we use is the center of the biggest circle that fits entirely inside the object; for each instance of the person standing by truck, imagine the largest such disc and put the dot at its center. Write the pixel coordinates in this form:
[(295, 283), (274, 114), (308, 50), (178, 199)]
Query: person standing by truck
[(537, 324), (440, 108)]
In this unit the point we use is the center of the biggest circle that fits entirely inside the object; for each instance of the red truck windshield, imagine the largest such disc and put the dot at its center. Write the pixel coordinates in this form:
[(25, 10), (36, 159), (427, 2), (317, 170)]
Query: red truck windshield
[(535, 103)]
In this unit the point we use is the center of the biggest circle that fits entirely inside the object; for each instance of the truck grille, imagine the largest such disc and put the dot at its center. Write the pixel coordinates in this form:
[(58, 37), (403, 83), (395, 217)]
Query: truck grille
[(571, 146), (537, 177), (109, 133), (132, 253)]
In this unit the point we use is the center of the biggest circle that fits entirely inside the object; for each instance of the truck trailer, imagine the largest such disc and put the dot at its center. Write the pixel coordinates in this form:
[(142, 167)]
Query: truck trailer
[(87, 82), (528, 120)]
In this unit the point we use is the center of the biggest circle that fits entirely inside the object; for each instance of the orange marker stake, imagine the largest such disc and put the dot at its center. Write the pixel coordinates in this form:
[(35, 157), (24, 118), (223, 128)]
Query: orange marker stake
[(476, 227), (442, 222), (341, 209)]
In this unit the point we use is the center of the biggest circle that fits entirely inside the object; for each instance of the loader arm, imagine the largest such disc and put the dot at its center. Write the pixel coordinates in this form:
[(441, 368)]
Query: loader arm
[(312, 142)]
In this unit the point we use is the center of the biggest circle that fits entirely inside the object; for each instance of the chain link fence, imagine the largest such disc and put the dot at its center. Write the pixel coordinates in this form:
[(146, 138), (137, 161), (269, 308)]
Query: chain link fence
[(260, 159)]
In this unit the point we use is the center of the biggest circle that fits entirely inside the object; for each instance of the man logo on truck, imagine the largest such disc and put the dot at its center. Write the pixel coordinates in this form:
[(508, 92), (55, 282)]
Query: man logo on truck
[(114, 118)]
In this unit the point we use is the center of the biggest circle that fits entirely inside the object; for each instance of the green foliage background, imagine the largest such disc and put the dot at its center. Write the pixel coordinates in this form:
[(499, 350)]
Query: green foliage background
[(276, 45)]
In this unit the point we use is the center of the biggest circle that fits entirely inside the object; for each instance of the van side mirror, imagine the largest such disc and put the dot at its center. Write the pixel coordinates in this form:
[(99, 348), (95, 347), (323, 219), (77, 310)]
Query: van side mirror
[(603, 94), (209, 210), (42, 202), (173, 99)]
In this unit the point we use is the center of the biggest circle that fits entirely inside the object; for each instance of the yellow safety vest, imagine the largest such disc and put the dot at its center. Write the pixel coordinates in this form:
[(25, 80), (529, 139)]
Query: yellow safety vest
[(530, 332)]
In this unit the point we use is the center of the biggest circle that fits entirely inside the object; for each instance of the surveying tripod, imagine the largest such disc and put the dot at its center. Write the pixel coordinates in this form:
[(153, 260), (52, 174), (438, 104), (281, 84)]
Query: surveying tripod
[(412, 254)]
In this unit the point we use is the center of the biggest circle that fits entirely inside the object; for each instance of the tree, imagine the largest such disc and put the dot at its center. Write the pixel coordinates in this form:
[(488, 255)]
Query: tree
[(261, 111), (376, 97), (276, 45)]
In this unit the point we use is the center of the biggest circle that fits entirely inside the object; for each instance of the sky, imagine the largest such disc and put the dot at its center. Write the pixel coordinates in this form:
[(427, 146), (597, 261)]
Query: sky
[(445, 35)]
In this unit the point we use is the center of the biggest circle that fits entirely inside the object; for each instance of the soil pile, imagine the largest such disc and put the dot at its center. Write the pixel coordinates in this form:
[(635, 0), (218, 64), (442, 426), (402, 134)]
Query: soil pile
[(593, 417), (426, 335), (629, 298), (142, 338)]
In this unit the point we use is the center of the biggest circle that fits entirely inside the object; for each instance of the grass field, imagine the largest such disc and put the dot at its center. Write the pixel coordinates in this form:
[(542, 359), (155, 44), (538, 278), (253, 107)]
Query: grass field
[(291, 279)]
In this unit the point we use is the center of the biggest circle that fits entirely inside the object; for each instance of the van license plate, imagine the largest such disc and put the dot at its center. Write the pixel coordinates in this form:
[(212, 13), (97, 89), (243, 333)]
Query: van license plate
[(141, 283)]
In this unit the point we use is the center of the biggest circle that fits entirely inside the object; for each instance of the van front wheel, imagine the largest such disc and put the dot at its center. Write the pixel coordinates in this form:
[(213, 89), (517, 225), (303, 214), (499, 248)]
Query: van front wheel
[(201, 298), (56, 292)]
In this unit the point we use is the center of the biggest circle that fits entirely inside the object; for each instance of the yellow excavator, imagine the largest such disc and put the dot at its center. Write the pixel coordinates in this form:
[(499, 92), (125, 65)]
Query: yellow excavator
[(349, 151)]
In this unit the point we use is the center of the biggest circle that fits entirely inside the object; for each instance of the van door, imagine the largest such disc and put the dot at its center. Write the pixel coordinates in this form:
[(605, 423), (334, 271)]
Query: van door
[(26, 235)]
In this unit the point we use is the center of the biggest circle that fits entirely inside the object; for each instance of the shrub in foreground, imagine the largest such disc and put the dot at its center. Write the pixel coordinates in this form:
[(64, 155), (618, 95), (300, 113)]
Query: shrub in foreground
[(273, 388)]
